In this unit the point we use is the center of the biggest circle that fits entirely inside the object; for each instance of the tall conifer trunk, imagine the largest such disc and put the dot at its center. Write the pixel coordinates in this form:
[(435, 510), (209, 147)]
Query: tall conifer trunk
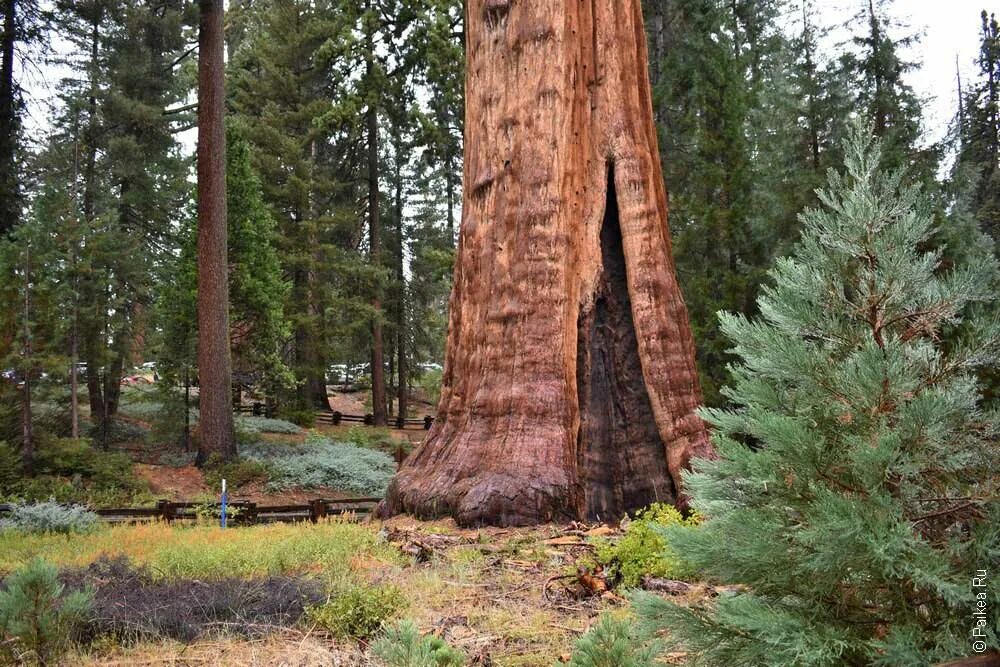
[(379, 408), (215, 429), (570, 385), (8, 120)]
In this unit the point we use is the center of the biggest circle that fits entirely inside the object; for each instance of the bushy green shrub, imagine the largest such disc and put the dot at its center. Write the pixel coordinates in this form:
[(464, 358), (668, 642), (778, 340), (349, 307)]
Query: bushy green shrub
[(324, 464), (105, 475), (266, 425), (430, 383), (302, 417), (643, 550), (359, 611), (37, 619), (10, 470), (372, 438), (236, 473), (117, 431), (49, 517), (615, 642), (402, 645)]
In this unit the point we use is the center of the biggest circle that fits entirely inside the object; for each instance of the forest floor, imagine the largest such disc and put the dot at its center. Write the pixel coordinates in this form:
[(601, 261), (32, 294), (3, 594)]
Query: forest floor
[(505, 597)]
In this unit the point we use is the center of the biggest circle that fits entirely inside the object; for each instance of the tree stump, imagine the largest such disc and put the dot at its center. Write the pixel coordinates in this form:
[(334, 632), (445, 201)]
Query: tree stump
[(570, 385)]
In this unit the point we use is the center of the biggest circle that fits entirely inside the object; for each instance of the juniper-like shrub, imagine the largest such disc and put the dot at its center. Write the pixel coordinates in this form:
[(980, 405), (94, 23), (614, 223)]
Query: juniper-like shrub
[(855, 493), (402, 645)]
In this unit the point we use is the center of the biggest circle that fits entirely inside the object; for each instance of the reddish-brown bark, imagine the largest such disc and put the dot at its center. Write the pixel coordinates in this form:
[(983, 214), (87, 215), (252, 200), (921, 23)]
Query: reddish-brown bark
[(570, 386), (215, 427)]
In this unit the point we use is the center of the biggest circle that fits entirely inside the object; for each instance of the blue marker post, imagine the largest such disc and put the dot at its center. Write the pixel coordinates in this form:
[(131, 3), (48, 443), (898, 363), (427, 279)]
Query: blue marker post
[(222, 516)]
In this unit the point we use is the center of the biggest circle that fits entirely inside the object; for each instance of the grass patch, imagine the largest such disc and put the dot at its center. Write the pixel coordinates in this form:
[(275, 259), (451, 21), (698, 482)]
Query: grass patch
[(205, 552)]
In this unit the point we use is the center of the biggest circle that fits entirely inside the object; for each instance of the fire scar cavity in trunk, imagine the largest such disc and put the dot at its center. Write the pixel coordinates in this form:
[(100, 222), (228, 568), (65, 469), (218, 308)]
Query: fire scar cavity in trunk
[(621, 458)]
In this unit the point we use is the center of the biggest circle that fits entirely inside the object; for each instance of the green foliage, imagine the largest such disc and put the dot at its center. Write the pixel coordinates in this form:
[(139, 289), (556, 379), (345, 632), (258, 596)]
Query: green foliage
[(851, 493), (614, 642), (324, 464), (37, 619), (372, 438), (430, 383), (236, 473), (304, 418), (68, 470), (10, 470), (265, 425), (643, 550), (359, 611), (209, 552), (49, 517), (116, 431), (402, 645)]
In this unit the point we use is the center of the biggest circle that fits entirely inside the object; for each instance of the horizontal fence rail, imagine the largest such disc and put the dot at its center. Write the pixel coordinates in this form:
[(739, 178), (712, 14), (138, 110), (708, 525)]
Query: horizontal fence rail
[(337, 418), (238, 512)]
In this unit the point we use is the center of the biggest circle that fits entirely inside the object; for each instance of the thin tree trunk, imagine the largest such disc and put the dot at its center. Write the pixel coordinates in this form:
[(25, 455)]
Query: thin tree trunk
[(8, 121), (215, 430), (27, 436), (401, 333), (570, 388), (379, 411)]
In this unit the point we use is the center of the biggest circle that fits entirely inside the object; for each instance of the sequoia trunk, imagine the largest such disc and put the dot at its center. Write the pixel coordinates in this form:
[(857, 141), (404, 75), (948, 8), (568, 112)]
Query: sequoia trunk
[(570, 386)]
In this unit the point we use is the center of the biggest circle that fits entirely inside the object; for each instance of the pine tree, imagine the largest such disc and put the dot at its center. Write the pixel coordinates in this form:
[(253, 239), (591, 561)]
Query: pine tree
[(978, 159), (854, 495)]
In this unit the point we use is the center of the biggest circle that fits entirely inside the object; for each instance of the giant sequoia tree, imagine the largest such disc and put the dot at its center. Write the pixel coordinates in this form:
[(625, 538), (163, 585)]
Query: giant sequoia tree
[(570, 386)]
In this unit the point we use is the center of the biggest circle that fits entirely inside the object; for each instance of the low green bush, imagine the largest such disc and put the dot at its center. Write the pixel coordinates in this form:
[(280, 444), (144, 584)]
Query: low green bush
[(267, 425), (38, 620), (49, 517), (402, 645), (359, 611), (236, 473), (643, 550), (117, 431), (371, 438), (10, 469), (320, 463), (302, 417), (615, 642)]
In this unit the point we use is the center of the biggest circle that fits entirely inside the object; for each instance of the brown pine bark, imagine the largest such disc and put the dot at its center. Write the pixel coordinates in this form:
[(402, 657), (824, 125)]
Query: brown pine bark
[(215, 428), (380, 410), (8, 120), (570, 386)]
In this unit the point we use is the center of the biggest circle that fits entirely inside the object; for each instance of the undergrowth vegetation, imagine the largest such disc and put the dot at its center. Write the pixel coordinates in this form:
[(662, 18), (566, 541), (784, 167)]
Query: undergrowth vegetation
[(321, 463), (402, 645), (208, 553), (359, 612), (643, 550), (49, 517), (68, 470), (38, 617)]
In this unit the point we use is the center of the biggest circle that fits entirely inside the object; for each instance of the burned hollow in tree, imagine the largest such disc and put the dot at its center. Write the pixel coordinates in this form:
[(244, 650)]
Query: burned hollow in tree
[(621, 458), (570, 388)]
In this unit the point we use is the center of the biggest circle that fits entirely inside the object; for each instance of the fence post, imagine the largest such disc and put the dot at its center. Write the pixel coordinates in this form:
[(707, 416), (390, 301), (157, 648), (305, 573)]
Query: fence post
[(317, 510), (428, 420), (369, 419), (167, 510), (337, 416)]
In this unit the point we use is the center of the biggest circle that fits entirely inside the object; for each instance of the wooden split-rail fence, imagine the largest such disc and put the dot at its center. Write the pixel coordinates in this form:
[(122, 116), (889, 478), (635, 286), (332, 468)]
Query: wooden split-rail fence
[(336, 418), (238, 512)]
